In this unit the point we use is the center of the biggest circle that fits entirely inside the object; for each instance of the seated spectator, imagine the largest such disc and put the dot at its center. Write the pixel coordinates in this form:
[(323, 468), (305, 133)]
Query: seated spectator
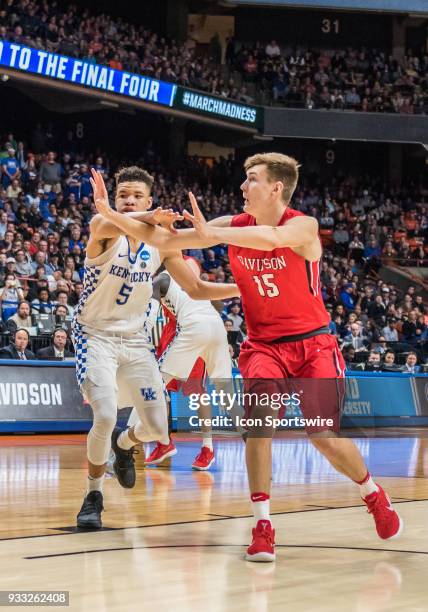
[(62, 300), (341, 238), (211, 262), (356, 339), (388, 364), (413, 328), (349, 356), (377, 310), (373, 363), (346, 296), (51, 172), (272, 49), (21, 319), (235, 316), (10, 297), (42, 304), (410, 365), (18, 348), (279, 89), (380, 345), (390, 332), (23, 264), (235, 338), (234, 356), (57, 351)]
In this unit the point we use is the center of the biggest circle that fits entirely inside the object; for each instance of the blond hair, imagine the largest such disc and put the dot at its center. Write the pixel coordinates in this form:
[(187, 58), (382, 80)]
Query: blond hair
[(279, 167)]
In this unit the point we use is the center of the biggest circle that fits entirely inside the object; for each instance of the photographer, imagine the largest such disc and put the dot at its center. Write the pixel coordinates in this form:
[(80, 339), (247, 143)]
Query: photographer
[(10, 296)]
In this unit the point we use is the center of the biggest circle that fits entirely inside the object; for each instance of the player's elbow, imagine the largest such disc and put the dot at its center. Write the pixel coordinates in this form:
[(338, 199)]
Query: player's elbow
[(196, 290), (95, 222), (95, 225), (311, 227)]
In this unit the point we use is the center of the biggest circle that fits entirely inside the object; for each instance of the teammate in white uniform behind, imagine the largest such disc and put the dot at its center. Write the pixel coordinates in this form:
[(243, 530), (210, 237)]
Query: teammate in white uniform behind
[(115, 361), (199, 335)]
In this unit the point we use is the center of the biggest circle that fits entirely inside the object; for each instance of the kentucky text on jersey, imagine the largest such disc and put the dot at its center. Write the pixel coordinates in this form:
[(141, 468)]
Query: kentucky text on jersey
[(263, 263), (134, 277)]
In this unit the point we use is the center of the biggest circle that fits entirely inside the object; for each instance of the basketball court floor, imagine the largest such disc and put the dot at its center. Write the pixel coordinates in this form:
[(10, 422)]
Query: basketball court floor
[(176, 541)]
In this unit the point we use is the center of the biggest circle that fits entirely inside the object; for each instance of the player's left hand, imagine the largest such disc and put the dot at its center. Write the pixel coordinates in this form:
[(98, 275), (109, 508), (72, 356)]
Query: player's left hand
[(166, 217), (197, 219), (100, 194)]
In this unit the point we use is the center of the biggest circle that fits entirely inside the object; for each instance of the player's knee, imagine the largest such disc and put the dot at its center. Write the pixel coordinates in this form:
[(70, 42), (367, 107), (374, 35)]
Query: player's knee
[(325, 442), (104, 423), (152, 428)]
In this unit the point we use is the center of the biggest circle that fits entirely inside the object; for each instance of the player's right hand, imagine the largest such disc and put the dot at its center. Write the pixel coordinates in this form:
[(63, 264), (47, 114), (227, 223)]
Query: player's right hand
[(197, 219), (166, 217), (100, 194)]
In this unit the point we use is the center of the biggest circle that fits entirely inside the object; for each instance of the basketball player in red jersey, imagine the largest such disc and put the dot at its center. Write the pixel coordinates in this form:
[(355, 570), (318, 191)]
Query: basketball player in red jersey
[(275, 256)]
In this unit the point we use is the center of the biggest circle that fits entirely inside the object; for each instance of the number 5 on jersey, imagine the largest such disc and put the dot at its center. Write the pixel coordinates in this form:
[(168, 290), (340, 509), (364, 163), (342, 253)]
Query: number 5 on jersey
[(266, 286), (125, 292)]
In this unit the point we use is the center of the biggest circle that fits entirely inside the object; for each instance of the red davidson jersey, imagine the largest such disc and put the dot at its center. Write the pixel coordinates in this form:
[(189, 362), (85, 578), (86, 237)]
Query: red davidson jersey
[(281, 293)]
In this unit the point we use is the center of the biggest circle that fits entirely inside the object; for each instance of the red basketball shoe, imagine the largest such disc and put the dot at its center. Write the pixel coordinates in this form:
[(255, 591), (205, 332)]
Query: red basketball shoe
[(388, 524), (204, 460), (160, 453), (262, 548)]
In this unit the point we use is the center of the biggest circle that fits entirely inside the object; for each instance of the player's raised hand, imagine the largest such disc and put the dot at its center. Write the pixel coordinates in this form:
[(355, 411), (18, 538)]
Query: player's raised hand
[(166, 217), (100, 193), (197, 219)]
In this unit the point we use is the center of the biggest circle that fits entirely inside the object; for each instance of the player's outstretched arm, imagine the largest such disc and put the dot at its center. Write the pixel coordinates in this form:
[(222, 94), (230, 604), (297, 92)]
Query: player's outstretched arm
[(102, 229), (196, 288), (297, 232), (153, 235)]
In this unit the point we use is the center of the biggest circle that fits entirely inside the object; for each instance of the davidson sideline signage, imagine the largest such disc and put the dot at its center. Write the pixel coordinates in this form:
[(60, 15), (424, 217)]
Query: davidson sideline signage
[(34, 392)]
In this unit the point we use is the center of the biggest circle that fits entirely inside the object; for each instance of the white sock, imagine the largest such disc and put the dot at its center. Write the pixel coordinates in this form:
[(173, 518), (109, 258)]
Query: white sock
[(260, 503), (208, 442), (95, 484), (367, 486), (124, 441)]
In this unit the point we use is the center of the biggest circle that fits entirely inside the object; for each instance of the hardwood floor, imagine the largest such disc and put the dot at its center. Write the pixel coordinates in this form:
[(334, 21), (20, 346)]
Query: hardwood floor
[(176, 541)]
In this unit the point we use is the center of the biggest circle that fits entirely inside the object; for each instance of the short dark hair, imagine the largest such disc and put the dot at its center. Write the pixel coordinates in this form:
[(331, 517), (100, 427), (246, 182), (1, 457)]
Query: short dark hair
[(134, 174), (59, 329), (22, 329)]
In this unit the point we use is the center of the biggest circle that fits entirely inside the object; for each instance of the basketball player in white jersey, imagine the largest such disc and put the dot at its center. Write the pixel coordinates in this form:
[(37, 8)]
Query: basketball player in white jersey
[(115, 362), (199, 335)]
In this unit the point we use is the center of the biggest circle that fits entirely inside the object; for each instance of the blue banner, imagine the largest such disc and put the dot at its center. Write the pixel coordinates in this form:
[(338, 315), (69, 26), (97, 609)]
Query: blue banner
[(95, 76), (396, 6), (370, 399)]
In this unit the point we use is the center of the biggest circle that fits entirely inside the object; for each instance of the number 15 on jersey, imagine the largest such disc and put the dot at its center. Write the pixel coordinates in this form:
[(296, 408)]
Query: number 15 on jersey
[(266, 286)]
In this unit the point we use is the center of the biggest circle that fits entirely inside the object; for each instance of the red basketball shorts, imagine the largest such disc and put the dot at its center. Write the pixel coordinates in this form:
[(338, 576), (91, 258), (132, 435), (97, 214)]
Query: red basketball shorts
[(309, 374)]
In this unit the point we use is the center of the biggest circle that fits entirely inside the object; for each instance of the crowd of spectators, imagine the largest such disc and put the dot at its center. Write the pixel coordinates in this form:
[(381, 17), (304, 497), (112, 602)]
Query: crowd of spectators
[(46, 206), (368, 80), (355, 79)]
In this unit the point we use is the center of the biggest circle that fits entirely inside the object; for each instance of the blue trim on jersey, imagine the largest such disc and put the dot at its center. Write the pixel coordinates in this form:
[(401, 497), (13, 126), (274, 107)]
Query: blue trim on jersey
[(140, 248), (90, 282)]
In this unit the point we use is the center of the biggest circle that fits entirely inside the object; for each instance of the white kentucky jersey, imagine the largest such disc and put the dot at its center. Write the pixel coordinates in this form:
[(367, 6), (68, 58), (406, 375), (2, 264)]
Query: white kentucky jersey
[(118, 289), (184, 308)]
